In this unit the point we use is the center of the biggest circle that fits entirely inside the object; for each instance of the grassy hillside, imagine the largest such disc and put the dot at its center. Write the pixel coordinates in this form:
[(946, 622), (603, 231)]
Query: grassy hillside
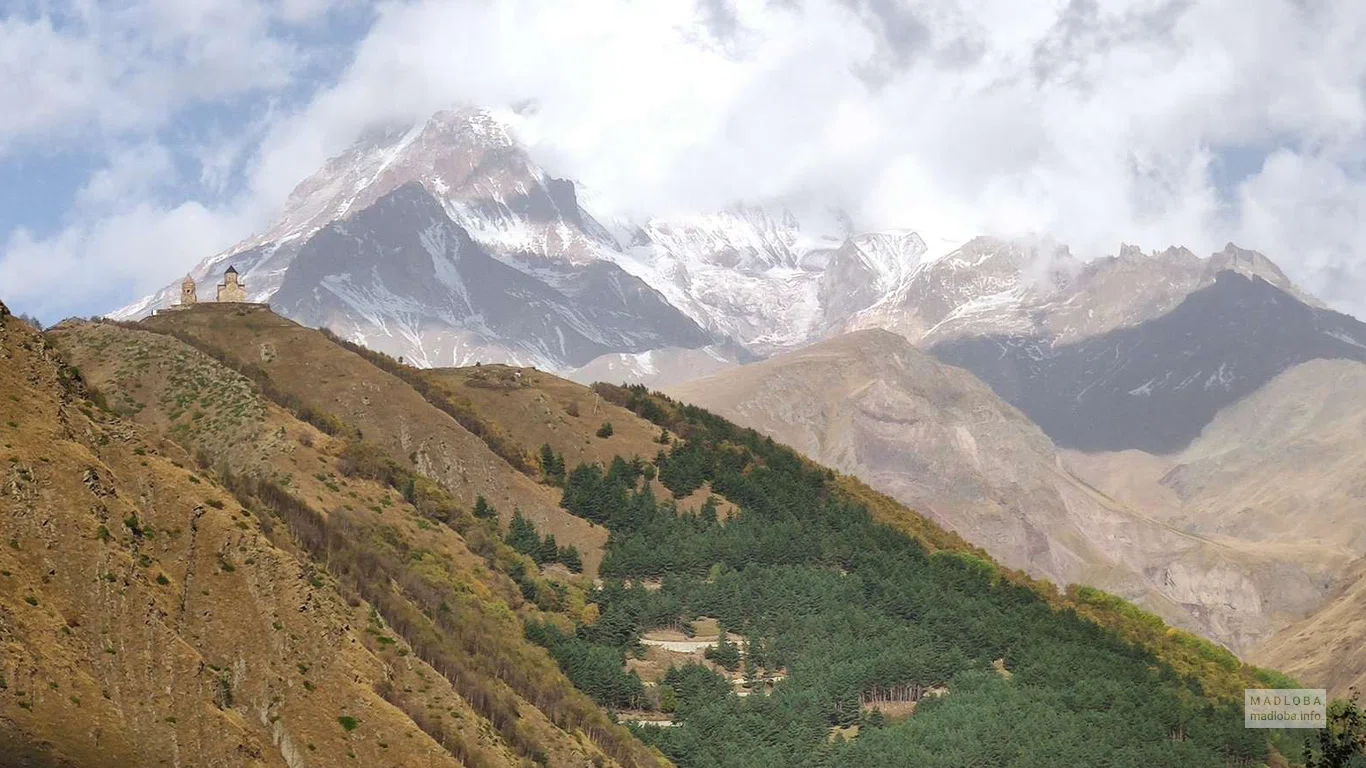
[(312, 371), (431, 589), (150, 619)]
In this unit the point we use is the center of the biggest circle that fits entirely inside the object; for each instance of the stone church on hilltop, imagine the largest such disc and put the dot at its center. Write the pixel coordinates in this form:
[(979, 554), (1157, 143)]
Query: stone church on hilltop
[(231, 291)]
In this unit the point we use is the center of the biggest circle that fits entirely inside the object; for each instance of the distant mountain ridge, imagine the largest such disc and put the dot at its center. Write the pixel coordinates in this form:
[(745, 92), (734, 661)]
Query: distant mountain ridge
[(768, 278), (763, 279), (1155, 385), (994, 286)]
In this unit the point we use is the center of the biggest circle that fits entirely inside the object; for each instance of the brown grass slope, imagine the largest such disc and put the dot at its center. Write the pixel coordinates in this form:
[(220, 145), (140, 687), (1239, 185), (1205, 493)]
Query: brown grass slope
[(480, 687), (535, 408), (306, 365), (147, 619), (544, 409), (1329, 647)]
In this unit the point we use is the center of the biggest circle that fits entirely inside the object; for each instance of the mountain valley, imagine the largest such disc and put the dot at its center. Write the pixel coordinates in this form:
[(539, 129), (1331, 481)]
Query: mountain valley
[(1017, 483)]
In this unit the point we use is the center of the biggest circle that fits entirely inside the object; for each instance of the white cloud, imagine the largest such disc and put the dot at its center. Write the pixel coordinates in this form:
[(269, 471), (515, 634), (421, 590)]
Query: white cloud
[(1310, 207), (132, 173), (126, 253), (1095, 122), (108, 78), (74, 69)]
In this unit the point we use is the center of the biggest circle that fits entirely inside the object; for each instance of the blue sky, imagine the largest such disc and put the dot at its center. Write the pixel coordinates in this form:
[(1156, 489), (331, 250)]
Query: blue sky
[(148, 137), (138, 137)]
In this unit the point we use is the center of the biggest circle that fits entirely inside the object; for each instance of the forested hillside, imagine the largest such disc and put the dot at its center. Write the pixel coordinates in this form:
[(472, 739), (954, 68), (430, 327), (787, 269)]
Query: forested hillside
[(847, 609)]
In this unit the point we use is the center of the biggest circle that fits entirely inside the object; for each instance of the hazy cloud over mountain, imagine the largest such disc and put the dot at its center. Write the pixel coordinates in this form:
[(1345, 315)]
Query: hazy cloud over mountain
[(139, 137)]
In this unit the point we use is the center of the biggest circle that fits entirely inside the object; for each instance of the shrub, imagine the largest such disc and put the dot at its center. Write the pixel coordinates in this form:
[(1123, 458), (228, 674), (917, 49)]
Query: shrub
[(605, 430)]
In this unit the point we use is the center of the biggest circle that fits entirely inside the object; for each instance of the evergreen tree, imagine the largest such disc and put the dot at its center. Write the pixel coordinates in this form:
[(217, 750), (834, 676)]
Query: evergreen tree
[(569, 557), (522, 535), (668, 700), (549, 552), (873, 718), (482, 509), (725, 653), (552, 465), (708, 513)]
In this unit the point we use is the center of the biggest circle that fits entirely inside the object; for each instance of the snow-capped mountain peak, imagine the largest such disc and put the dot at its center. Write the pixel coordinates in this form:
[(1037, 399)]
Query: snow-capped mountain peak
[(1034, 286), (891, 255), (747, 238), (467, 158), (766, 277)]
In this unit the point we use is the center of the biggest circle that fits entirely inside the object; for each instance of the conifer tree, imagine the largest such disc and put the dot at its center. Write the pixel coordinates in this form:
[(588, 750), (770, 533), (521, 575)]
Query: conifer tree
[(482, 508), (549, 552), (725, 653), (552, 465), (522, 535), (569, 557)]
